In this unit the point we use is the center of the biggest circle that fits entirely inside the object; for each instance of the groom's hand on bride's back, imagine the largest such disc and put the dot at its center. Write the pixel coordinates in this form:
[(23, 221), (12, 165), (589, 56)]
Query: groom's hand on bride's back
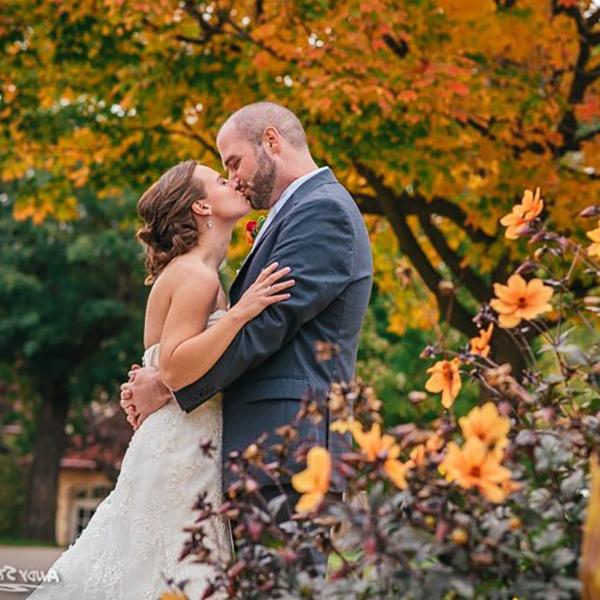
[(143, 394)]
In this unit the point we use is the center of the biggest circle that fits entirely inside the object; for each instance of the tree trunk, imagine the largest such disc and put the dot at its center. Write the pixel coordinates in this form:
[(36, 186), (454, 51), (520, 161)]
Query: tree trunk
[(504, 350), (42, 491)]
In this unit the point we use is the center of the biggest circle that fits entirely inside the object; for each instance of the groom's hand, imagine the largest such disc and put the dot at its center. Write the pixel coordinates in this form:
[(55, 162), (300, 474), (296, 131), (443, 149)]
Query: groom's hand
[(143, 394)]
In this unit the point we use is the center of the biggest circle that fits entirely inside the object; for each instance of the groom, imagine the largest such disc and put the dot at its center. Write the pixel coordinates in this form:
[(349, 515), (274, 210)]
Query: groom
[(314, 227)]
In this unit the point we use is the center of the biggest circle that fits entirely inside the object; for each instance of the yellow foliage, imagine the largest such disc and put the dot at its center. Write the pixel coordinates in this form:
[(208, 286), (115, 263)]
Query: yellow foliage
[(590, 551)]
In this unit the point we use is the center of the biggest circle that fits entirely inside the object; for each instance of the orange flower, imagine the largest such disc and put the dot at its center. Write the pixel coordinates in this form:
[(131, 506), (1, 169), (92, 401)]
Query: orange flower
[(522, 214), (374, 445), (377, 446), (396, 470), (434, 443), (460, 536), (474, 466), (314, 481), (486, 423), (520, 299), (445, 378), (344, 426), (594, 235), (480, 345), (590, 551), (417, 455)]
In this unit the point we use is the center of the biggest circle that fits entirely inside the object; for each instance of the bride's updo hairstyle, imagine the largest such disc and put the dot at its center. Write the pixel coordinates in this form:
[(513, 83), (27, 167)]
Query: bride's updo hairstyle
[(169, 228)]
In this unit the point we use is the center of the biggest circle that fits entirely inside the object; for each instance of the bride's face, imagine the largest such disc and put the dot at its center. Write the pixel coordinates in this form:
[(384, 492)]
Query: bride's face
[(227, 203)]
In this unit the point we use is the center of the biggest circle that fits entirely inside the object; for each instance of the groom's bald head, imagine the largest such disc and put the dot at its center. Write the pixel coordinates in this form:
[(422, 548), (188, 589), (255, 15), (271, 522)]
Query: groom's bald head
[(253, 120), (263, 147)]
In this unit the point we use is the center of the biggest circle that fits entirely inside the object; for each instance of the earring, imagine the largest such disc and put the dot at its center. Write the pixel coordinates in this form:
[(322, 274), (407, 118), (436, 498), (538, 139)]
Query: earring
[(209, 224)]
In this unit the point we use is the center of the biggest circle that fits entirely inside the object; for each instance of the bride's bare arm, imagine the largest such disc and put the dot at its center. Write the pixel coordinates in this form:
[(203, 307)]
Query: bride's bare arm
[(188, 349)]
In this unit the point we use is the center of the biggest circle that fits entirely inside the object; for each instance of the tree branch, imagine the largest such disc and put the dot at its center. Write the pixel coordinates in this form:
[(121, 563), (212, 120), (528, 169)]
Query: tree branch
[(400, 49), (417, 204), (476, 286), (588, 135), (369, 205), (451, 309), (582, 79), (593, 19)]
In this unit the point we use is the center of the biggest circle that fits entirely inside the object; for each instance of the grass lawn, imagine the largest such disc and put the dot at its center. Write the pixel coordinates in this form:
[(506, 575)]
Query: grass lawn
[(11, 541)]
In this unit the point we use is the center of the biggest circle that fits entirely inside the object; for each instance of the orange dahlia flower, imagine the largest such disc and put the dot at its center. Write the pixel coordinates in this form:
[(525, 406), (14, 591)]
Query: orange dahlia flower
[(522, 214), (473, 466), (486, 424), (314, 481), (480, 345), (377, 446), (520, 299), (445, 378), (343, 426), (594, 235)]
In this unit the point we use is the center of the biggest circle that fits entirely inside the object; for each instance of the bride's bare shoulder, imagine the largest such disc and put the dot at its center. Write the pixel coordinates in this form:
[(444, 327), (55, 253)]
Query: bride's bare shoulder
[(190, 283), (186, 276)]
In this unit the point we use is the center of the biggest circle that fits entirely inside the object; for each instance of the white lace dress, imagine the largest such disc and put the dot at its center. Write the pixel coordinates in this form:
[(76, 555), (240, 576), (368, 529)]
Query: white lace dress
[(135, 535)]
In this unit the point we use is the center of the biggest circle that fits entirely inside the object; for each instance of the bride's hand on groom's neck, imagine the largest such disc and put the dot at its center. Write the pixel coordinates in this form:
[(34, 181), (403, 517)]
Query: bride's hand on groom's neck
[(143, 394)]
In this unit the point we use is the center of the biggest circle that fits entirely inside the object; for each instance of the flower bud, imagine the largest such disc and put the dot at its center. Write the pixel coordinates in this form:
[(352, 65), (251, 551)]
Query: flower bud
[(515, 523), (459, 536), (590, 211)]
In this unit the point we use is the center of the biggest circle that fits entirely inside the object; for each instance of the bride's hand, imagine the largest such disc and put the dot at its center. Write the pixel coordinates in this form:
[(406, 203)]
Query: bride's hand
[(266, 290)]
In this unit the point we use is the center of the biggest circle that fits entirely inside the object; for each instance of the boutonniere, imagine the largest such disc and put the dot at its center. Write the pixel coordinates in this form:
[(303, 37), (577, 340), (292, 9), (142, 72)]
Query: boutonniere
[(253, 227)]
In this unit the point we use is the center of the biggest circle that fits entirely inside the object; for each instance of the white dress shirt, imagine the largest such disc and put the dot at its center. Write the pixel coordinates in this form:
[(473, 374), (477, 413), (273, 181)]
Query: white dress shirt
[(285, 196)]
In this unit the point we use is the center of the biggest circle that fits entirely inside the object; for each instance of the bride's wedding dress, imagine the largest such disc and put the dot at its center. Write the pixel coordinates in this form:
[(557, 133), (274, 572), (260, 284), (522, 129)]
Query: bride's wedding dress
[(135, 536)]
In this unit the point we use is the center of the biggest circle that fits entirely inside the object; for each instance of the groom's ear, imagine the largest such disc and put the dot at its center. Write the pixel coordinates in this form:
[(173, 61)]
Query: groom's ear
[(272, 140)]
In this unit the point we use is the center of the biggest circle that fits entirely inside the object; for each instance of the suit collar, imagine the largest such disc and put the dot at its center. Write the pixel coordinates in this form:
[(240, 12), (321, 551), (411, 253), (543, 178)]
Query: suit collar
[(302, 192)]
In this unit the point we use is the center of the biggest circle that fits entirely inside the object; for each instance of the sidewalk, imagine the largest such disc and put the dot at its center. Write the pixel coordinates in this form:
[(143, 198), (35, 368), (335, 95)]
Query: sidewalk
[(21, 569)]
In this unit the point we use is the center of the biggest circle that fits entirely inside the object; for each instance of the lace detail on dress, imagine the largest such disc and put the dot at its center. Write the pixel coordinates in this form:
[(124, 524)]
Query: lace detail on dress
[(136, 534)]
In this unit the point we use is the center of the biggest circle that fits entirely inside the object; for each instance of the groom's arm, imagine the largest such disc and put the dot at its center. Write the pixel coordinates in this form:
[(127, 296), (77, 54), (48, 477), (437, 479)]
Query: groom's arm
[(317, 242)]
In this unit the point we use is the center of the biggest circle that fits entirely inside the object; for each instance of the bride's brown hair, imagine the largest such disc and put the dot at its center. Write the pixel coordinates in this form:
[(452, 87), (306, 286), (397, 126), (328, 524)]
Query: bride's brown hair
[(169, 228)]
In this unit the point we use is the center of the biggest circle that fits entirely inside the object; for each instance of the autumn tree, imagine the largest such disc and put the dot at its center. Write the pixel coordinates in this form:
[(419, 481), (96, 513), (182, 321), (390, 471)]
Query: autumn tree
[(436, 114)]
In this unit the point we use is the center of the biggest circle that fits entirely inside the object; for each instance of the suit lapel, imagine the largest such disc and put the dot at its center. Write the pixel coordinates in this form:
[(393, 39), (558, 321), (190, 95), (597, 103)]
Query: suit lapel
[(301, 192)]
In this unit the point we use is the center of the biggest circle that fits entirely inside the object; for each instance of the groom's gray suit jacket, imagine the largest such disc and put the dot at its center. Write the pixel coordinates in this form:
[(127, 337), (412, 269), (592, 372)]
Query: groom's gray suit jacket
[(271, 364)]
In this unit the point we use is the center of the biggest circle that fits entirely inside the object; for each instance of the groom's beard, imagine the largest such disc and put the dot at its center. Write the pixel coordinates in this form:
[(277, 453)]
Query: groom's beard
[(264, 181)]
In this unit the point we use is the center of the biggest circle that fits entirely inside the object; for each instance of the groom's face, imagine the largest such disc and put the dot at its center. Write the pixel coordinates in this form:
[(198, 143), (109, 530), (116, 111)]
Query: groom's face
[(249, 166)]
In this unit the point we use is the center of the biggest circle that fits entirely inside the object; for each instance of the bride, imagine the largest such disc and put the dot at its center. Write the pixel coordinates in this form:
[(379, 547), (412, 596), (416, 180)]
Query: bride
[(133, 541)]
